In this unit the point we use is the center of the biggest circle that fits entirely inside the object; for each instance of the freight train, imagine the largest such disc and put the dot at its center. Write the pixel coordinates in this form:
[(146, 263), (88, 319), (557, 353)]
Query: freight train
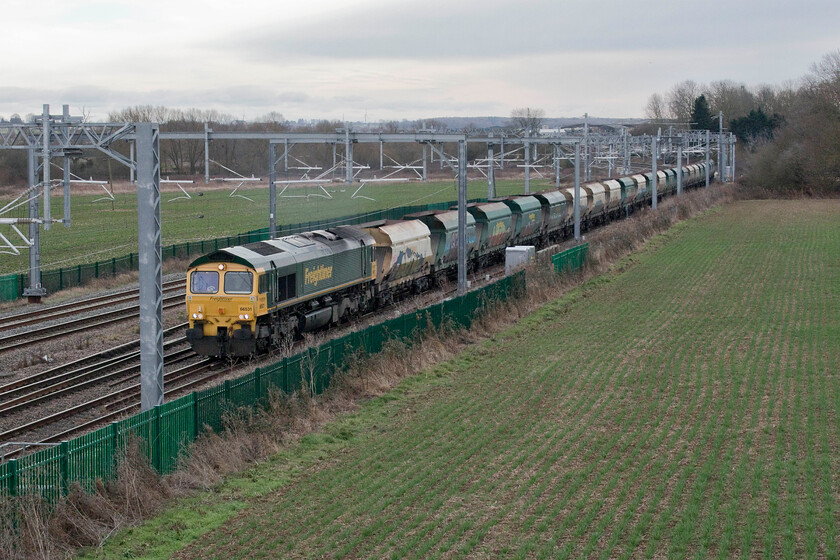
[(242, 300)]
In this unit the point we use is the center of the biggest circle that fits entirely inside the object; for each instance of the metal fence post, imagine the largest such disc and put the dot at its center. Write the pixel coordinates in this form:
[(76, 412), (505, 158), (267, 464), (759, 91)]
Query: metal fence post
[(156, 445), (115, 441), (64, 449), (196, 425), (13, 477)]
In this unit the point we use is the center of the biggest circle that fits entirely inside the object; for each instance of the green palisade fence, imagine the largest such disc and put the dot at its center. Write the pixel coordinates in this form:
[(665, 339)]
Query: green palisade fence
[(570, 259), (167, 430), (12, 285), (9, 287)]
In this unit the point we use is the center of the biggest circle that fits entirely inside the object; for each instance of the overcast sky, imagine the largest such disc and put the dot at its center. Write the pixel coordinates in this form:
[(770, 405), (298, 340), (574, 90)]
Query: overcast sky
[(380, 60)]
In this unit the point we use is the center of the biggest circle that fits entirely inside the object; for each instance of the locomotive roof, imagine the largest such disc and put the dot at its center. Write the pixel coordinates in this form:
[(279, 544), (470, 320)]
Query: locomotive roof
[(291, 249)]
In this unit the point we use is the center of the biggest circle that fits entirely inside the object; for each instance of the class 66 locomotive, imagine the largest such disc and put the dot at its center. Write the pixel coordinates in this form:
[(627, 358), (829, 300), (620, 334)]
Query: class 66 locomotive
[(243, 300)]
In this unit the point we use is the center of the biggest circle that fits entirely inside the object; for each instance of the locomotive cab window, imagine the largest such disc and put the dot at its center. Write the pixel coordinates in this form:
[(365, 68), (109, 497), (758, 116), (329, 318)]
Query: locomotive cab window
[(239, 282), (204, 282)]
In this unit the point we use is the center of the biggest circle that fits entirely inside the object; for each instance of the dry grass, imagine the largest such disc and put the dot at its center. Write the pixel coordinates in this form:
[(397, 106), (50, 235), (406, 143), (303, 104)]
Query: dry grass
[(83, 519), (33, 529)]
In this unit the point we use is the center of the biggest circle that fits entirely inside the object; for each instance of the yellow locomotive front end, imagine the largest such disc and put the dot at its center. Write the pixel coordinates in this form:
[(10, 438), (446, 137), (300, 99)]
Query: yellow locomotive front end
[(222, 307)]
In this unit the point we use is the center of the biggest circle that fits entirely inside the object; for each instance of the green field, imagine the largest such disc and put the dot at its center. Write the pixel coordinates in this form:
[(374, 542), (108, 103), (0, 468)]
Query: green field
[(102, 229), (685, 407)]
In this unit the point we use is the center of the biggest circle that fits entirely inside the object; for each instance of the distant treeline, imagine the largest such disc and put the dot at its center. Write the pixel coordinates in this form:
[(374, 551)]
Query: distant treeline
[(788, 135)]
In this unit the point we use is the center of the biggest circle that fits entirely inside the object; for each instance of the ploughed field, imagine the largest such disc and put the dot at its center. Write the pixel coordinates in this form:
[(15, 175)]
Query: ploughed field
[(684, 406)]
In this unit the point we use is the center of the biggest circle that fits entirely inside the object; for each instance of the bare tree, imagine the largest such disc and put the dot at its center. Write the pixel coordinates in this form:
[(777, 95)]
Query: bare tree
[(733, 99), (272, 117), (390, 127), (141, 113), (527, 119), (656, 108), (681, 100), (824, 79)]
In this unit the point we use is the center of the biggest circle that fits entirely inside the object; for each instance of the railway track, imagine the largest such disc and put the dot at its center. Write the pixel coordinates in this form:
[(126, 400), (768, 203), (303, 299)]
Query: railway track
[(118, 404), (112, 366), (36, 335), (35, 316)]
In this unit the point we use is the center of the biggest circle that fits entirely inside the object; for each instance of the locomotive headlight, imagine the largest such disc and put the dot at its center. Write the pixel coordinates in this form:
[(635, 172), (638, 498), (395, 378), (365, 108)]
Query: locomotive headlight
[(195, 315), (244, 317), (221, 267)]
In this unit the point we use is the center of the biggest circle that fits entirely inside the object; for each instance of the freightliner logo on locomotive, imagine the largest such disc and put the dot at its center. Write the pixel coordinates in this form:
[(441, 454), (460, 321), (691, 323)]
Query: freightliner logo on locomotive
[(314, 275)]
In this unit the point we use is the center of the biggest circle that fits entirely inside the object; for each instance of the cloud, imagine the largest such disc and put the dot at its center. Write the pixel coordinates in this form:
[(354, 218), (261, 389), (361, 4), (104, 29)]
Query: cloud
[(488, 29), (393, 59)]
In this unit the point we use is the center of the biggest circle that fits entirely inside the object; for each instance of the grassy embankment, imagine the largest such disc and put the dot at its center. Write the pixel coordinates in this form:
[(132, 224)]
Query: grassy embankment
[(103, 229), (685, 404)]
